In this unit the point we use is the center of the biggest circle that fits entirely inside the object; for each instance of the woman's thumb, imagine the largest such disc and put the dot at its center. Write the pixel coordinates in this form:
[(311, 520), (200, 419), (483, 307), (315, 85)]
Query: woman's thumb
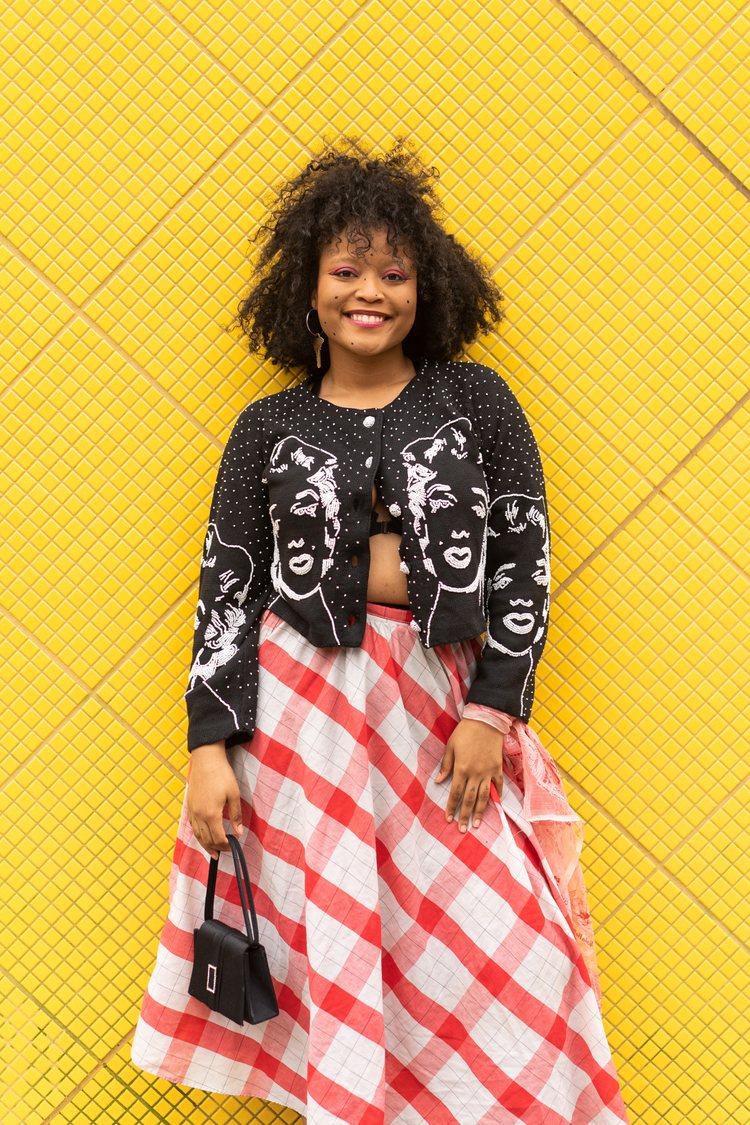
[(446, 765)]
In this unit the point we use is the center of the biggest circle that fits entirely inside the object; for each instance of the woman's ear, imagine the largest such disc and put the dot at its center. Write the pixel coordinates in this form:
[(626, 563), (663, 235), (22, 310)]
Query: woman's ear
[(314, 298)]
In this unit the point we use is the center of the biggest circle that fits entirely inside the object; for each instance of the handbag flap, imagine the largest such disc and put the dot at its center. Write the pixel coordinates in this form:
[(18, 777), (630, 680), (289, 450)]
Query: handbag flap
[(232, 983), (218, 969)]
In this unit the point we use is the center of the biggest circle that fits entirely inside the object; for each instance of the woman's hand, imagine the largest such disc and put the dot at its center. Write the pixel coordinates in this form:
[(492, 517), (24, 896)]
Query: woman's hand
[(475, 754), (212, 787)]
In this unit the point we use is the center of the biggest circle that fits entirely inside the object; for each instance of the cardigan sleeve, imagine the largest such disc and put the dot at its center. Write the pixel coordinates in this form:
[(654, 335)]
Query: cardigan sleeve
[(517, 574), (234, 588)]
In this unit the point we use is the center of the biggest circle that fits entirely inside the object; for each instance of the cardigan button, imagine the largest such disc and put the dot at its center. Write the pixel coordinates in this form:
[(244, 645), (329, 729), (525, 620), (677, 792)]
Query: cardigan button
[(369, 421), (368, 463)]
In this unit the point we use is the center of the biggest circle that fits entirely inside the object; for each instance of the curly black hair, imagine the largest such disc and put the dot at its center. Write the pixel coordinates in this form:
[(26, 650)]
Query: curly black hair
[(348, 189)]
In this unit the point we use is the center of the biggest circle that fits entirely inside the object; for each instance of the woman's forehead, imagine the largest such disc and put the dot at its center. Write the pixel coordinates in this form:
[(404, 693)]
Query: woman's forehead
[(372, 243)]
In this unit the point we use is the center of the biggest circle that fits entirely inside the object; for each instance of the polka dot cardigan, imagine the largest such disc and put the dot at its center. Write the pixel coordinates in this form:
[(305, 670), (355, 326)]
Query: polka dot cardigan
[(456, 464)]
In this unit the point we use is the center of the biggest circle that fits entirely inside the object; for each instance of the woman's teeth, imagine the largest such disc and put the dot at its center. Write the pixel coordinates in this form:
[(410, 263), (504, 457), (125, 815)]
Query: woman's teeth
[(366, 318)]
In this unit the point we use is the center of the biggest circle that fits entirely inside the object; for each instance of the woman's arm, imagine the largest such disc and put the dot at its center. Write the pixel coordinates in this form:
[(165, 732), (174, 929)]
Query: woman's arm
[(517, 585), (516, 606), (234, 588)]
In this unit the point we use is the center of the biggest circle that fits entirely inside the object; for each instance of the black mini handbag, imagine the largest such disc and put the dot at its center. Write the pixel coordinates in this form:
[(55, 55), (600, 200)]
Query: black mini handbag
[(230, 970)]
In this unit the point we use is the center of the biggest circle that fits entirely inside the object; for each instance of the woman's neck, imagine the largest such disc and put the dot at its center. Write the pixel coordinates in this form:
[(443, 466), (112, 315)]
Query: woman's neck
[(352, 377)]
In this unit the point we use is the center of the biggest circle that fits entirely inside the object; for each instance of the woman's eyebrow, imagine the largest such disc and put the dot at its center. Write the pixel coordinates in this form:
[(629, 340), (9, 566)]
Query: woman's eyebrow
[(340, 255)]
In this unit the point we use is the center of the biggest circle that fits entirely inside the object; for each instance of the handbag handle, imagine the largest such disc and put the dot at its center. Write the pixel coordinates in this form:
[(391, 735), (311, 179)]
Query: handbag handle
[(243, 884)]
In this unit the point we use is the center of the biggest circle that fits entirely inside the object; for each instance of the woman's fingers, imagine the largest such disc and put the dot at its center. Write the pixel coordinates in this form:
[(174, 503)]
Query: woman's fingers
[(202, 834), (454, 796), (217, 835), (471, 797), (212, 788), (210, 835), (474, 752), (483, 796), (467, 804)]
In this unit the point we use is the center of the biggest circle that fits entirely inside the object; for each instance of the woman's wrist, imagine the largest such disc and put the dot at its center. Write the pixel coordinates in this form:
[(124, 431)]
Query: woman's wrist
[(210, 752)]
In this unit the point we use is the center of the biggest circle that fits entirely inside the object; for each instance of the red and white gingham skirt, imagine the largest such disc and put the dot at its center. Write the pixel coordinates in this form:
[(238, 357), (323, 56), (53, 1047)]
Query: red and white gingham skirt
[(424, 976)]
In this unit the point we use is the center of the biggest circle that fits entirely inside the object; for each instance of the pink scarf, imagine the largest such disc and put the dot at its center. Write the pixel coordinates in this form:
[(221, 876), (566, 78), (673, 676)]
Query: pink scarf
[(557, 828)]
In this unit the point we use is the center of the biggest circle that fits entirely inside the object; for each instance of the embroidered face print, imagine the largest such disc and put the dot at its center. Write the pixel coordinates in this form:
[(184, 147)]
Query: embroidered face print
[(312, 525), (222, 627), (449, 507), (365, 296), (523, 623)]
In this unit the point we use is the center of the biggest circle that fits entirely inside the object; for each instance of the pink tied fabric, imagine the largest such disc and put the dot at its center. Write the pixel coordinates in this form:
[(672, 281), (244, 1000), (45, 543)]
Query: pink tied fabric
[(559, 831)]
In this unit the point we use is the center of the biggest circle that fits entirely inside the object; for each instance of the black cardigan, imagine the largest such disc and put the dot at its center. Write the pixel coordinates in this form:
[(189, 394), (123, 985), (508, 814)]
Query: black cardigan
[(454, 457)]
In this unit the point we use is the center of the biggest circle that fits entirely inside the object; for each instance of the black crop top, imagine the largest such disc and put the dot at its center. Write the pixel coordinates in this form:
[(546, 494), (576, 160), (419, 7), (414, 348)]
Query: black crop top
[(457, 465)]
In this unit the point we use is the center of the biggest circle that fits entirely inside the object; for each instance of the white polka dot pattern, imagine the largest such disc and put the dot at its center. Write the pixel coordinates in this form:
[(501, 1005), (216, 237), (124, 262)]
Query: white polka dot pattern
[(455, 455)]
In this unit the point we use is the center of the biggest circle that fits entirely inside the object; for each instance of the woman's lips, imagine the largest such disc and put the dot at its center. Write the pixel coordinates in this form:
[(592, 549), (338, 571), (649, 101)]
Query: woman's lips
[(519, 622), (301, 564), (459, 557), (367, 320)]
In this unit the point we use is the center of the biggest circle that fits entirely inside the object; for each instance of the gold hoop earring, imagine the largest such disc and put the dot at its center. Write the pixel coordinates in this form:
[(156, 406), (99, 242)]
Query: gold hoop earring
[(318, 340)]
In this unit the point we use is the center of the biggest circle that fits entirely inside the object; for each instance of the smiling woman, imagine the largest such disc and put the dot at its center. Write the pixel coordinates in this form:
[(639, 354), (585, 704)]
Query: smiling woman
[(430, 946), (366, 299)]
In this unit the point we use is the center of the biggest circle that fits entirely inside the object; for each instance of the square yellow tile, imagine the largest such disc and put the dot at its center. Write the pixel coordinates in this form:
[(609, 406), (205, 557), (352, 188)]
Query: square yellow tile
[(130, 108), (41, 1062), (643, 656), (33, 312), (37, 695), (89, 830), (111, 491)]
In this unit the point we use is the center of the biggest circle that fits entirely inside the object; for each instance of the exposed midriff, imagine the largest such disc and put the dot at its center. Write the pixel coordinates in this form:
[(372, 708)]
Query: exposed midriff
[(386, 581)]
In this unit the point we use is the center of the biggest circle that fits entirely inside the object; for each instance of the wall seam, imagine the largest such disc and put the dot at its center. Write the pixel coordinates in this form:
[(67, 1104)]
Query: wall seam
[(655, 491), (653, 99)]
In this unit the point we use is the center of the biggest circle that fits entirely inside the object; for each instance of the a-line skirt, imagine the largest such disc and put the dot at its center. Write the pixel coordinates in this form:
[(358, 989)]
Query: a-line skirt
[(424, 976)]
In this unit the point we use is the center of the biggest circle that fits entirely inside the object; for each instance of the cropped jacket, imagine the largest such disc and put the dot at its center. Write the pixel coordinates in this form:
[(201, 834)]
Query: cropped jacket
[(453, 459)]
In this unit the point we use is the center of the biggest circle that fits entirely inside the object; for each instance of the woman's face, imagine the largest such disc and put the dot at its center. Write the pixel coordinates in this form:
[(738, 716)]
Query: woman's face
[(366, 297)]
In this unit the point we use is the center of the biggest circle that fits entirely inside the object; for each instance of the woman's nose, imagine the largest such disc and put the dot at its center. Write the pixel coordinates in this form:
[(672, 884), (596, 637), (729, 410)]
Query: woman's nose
[(369, 287)]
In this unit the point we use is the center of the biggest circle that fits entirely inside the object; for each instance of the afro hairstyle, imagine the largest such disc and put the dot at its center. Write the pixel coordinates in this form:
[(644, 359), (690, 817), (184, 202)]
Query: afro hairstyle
[(347, 190)]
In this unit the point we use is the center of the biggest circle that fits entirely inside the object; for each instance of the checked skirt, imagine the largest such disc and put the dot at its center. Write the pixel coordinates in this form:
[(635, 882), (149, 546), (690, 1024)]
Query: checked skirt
[(424, 976)]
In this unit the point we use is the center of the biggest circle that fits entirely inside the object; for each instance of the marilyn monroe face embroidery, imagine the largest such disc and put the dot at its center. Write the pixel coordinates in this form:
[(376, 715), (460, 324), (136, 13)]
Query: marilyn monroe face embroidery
[(523, 623), (221, 629), (449, 513), (311, 524), (448, 508)]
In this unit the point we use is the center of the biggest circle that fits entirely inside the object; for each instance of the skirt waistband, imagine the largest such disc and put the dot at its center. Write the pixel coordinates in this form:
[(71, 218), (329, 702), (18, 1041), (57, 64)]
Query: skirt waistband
[(390, 612)]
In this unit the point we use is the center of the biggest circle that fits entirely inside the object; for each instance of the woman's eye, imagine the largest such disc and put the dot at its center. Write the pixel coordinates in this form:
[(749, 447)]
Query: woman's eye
[(394, 277), (345, 273)]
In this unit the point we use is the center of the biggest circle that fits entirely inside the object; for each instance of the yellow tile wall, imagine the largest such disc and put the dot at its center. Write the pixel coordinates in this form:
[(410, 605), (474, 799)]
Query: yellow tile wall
[(598, 156)]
